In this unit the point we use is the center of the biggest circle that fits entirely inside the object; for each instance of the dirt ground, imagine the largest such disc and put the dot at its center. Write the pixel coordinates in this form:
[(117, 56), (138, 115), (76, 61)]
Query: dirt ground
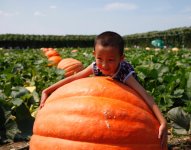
[(24, 145), (174, 143), (179, 142)]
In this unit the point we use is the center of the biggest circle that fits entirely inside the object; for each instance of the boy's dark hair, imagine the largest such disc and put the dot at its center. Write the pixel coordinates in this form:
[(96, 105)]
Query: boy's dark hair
[(110, 38)]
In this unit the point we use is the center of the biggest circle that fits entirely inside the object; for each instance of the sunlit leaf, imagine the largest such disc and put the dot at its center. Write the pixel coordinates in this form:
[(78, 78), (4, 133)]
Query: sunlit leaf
[(163, 70), (178, 92), (180, 117), (18, 92), (17, 101)]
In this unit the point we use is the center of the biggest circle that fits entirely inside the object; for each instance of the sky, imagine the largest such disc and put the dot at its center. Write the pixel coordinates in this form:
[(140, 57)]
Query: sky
[(91, 17)]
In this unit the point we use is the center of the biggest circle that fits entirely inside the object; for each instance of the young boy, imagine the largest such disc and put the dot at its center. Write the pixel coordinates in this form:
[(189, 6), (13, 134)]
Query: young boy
[(109, 61)]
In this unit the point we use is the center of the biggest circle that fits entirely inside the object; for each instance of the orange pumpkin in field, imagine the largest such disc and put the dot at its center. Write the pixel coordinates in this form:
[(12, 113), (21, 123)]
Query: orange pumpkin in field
[(74, 51), (70, 66), (51, 53), (47, 49), (44, 49), (54, 60), (95, 113)]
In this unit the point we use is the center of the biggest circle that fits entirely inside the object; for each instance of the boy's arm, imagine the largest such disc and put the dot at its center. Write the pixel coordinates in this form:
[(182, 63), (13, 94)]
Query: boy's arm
[(132, 82), (46, 92)]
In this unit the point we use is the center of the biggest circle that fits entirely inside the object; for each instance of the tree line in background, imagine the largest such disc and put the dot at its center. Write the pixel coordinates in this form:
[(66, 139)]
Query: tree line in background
[(177, 37)]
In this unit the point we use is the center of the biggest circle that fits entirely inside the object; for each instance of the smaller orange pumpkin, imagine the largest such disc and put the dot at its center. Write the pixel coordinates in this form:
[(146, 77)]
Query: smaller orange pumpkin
[(51, 53), (70, 66), (51, 49), (44, 49), (54, 60)]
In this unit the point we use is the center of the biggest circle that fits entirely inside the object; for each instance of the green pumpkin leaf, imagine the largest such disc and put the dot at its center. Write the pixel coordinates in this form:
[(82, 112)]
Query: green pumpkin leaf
[(178, 93), (163, 70), (35, 97), (17, 101), (8, 126), (17, 92), (179, 117), (24, 121), (11, 128), (7, 88)]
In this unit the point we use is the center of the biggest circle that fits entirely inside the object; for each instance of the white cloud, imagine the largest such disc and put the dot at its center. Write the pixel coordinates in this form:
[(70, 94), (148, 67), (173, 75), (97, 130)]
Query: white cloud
[(53, 7), (8, 14), (38, 13), (120, 6)]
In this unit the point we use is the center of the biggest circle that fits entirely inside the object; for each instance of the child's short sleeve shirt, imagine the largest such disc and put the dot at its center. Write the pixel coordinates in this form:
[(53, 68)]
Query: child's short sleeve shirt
[(124, 71)]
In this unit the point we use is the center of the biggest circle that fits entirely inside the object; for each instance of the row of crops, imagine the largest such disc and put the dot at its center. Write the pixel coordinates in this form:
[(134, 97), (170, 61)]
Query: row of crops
[(175, 37), (165, 74)]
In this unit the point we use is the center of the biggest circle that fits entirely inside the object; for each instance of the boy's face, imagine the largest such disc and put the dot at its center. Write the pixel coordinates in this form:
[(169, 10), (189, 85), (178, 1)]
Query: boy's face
[(107, 59)]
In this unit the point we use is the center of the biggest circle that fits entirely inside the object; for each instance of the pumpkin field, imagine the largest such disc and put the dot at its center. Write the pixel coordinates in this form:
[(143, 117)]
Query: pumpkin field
[(24, 73)]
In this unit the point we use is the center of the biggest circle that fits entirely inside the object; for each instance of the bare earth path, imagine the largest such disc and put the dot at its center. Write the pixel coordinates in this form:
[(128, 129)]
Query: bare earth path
[(175, 143)]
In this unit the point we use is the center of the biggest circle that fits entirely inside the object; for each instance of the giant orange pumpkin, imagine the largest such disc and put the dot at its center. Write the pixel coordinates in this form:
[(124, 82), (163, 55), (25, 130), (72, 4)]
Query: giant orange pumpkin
[(70, 66), (95, 113)]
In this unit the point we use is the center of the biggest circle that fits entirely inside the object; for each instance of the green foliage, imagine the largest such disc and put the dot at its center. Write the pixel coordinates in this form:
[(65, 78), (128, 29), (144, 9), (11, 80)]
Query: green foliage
[(181, 121), (21, 69), (166, 75)]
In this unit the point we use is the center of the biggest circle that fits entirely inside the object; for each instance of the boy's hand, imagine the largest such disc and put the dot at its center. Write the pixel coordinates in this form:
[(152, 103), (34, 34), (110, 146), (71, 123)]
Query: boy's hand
[(163, 135)]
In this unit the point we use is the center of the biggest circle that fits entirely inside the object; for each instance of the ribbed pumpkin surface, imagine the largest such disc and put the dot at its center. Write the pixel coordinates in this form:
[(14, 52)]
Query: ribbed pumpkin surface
[(95, 113), (70, 66)]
